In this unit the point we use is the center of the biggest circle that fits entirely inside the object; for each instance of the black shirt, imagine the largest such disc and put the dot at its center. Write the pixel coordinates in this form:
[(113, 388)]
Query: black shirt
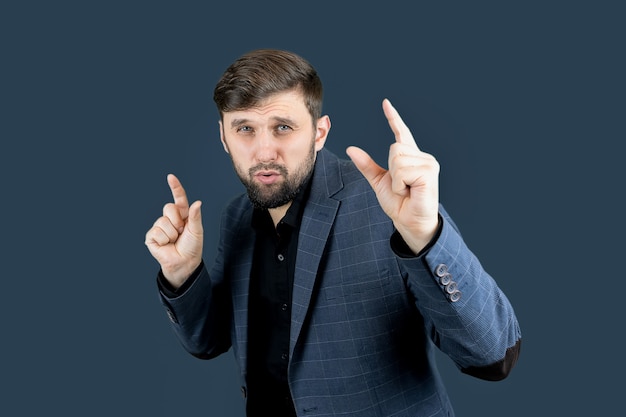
[(269, 309)]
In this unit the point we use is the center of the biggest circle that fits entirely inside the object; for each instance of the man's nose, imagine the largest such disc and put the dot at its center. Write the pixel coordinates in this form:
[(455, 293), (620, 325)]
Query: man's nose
[(266, 147)]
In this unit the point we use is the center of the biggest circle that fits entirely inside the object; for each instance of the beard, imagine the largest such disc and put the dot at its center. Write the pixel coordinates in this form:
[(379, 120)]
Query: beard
[(267, 196)]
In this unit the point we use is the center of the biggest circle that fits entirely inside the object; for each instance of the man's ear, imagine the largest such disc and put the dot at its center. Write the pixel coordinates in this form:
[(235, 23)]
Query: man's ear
[(322, 128), (222, 137)]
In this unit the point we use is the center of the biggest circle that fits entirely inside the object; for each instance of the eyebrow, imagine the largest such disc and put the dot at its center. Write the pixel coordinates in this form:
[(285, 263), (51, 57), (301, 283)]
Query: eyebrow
[(276, 119), (238, 122), (284, 121)]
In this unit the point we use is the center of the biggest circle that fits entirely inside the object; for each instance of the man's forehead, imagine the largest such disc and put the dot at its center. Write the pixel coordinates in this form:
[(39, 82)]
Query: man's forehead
[(282, 106)]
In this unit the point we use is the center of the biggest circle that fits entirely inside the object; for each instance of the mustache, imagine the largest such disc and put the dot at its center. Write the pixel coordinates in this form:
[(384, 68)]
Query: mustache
[(272, 166)]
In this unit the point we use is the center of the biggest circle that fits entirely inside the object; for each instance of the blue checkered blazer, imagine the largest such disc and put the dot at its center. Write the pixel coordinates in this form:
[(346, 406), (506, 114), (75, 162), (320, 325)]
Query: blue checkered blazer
[(365, 321)]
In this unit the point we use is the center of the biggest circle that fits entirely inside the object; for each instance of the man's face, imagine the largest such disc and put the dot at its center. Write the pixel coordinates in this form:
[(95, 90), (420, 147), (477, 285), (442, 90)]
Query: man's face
[(273, 147)]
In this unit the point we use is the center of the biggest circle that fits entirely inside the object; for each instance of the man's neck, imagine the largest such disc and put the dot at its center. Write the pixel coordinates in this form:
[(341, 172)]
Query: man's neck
[(279, 212)]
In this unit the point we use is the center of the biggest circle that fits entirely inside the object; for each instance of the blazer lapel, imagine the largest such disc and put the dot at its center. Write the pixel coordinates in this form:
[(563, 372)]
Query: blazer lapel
[(317, 221), (240, 284)]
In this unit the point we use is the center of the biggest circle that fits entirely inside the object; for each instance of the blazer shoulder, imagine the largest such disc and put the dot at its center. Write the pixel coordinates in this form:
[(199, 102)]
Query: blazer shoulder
[(340, 175)]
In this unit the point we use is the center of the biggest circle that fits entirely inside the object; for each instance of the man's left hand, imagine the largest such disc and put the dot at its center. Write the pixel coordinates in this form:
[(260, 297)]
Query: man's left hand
[(409, 191)]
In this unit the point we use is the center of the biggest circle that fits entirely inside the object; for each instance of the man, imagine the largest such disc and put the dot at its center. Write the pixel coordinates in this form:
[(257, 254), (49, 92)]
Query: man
[(334, 279)]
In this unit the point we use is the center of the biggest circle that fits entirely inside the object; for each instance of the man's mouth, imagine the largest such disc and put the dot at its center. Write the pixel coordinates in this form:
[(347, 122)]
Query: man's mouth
[(267, 176)]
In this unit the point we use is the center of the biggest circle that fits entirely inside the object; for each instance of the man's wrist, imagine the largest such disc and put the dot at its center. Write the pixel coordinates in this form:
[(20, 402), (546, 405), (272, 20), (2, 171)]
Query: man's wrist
[(406, 249), (172, 291)]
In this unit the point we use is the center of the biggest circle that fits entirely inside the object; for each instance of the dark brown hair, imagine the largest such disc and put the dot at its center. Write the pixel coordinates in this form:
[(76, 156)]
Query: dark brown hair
[(258, 74)]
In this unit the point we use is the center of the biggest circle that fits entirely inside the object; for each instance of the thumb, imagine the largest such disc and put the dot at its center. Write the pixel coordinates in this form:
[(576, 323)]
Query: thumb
[(194, 221), (372, 172)]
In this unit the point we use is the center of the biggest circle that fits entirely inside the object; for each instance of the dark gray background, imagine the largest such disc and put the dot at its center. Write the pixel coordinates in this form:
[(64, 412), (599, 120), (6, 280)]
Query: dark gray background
[(522, 103)]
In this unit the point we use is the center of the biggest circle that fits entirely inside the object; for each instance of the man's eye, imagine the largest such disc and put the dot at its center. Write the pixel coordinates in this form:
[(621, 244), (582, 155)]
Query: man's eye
[(283, 128), (244, 129)]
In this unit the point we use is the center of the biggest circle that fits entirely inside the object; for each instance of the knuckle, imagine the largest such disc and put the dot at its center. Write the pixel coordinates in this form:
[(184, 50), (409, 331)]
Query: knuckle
[(169, 208), (160, 222)]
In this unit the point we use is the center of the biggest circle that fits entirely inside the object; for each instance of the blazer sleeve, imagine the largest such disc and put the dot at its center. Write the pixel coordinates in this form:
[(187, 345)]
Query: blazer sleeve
[(201, 315), (465, 312)]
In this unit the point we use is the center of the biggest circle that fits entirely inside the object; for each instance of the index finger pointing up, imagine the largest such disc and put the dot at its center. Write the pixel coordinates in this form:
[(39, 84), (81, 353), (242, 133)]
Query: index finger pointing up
[(179, 194), (400, 130)]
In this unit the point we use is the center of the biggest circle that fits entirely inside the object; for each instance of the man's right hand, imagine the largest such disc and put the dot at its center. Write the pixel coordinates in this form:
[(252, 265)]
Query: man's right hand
[(175, 240)]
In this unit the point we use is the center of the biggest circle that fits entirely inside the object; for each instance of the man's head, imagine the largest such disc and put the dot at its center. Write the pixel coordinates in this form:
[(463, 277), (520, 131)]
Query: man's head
[(261, 73), (271, 125)]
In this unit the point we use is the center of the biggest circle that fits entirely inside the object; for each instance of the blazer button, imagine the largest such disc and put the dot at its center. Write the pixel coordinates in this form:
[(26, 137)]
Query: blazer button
[(451, 287), (445, 279), (171, 316), (441, 270), (455, 296)]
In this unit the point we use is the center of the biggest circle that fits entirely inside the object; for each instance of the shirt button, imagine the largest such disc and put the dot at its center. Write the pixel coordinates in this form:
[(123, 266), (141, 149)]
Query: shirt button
[(283, 307), (280, 257), (284, 356)]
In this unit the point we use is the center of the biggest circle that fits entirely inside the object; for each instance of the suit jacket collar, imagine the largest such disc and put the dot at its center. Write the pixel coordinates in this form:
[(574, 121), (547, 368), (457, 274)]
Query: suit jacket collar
[(327, 179)]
